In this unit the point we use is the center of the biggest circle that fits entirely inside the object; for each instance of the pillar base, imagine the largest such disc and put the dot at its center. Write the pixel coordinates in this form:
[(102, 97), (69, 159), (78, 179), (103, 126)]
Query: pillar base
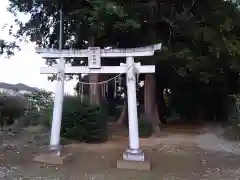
[(133, 155), (53, 155), (134, 160), (134, 165), (52, 159)]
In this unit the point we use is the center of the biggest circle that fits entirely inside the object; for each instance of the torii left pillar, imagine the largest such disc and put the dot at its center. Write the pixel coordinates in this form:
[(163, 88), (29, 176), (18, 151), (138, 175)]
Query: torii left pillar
[(57, 110), (54, 157)]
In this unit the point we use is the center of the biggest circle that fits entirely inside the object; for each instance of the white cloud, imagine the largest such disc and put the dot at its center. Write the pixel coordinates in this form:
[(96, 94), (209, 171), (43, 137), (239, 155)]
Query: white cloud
[(24, 66)]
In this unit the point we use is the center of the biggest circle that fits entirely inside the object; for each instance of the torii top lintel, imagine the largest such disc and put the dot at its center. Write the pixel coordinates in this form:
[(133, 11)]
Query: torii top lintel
[(129, 52)]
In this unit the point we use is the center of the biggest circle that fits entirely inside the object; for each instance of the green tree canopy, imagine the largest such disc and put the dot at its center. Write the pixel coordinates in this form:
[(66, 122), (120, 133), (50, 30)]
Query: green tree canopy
[(7, 47), (200, 38)]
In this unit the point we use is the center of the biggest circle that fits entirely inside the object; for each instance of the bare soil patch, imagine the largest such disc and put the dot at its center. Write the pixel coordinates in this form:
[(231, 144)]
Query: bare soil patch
[(172, 158)]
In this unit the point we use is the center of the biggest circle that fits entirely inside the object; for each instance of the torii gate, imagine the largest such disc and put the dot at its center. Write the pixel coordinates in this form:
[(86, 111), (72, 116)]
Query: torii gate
[(94, 54)]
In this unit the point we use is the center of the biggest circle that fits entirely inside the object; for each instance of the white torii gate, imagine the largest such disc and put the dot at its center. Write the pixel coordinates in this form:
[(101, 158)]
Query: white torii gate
[(94, 55)]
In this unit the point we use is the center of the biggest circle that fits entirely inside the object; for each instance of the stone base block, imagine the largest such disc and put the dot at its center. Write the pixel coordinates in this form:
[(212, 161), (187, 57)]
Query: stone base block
[(133, 155), (52, 159), (134, 165)]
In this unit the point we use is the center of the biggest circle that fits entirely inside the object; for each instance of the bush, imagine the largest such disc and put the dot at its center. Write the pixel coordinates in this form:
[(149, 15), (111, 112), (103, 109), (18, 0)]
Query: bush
[(83, 122), (234, 110), (40, 108), (39, 100), (42, 117), (112, 109), (145, 127), (12, 107)]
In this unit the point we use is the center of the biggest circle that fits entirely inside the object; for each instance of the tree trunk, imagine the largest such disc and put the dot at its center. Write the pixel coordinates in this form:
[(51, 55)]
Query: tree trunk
[(94, 93), (123, 119), (150, 101), (105, 89), (161, 106), (123, 116), (102, 94)]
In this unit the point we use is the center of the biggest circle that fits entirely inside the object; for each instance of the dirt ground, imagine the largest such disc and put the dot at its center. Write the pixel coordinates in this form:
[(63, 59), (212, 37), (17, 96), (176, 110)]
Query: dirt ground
[(174, 156)]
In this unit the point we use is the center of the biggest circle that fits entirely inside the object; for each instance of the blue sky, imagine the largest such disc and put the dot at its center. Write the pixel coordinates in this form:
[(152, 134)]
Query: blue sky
[(24, 66)]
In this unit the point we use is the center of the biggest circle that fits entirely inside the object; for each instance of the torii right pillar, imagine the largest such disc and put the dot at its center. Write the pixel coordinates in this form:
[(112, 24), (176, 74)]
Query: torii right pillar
[(133, 157)]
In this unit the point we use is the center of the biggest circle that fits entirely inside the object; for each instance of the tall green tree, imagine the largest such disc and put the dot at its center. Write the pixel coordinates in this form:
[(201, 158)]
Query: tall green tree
[(7, 48), (200, 38), (86, 23), (202, 45)]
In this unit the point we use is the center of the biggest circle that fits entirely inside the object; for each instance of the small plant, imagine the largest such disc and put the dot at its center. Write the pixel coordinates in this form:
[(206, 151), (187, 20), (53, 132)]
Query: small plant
[(234, 118), (145, 127), (234, 110)]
